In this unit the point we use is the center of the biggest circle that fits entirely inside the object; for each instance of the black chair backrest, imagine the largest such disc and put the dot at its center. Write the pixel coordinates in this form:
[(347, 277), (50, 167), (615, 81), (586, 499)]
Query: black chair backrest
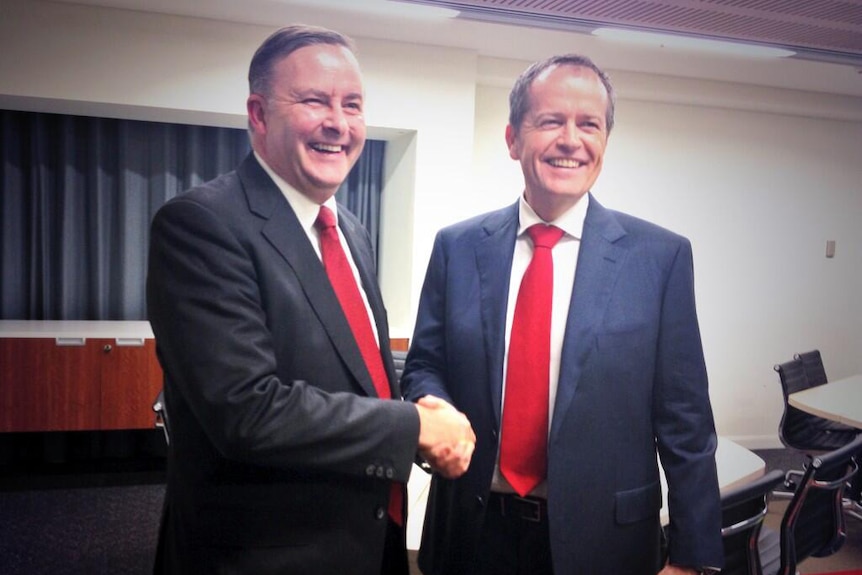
[(813, 523), (399, 357), (812, 363), (742, 512), (800, 430), (792, 376)]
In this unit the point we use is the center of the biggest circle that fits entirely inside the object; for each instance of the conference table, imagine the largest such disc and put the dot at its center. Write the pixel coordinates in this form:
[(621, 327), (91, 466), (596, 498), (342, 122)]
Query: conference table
[(839, 400), (736, 466)]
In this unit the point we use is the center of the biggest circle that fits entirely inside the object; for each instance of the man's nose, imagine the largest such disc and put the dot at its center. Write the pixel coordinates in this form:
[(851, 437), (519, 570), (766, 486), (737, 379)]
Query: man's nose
[(570, 135), (336, 120)]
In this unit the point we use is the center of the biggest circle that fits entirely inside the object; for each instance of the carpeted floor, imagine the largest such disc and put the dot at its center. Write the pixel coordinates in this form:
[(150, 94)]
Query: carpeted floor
[(92, 531), (102, 519)]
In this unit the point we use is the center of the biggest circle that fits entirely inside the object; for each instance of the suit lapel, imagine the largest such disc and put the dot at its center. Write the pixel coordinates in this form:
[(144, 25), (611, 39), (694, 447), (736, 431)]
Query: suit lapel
[(364, 260), (284, 232), (494, 266), (599, 262)]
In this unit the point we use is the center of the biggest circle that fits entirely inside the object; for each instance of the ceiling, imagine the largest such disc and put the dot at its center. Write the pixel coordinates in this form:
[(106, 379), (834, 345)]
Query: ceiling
[(824, 30), (827, 34)]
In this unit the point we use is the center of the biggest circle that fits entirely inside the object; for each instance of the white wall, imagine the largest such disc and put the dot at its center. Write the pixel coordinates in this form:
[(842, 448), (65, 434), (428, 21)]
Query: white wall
[(758, 178)]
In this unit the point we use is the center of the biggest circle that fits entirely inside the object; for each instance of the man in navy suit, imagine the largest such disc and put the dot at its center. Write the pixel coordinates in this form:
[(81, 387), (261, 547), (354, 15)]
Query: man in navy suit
[(624, 380), (283, 456)]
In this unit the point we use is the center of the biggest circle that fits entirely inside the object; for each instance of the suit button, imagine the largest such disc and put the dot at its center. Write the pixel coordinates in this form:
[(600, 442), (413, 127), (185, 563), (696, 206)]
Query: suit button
[(379, 513), (369, 471), (480, 500), (390, 473), (380, 472), (494, 433)]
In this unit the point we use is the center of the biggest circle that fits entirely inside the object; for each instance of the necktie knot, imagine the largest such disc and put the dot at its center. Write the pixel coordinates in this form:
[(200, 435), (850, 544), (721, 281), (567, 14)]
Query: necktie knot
[(325, 219), (544, 236)]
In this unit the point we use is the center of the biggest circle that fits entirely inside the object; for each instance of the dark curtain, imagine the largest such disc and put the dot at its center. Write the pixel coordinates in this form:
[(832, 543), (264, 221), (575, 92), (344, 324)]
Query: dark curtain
[(361, 191), (77, 195)]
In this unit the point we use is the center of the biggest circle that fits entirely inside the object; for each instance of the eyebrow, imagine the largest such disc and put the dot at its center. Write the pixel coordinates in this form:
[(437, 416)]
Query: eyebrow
[(324, 94)]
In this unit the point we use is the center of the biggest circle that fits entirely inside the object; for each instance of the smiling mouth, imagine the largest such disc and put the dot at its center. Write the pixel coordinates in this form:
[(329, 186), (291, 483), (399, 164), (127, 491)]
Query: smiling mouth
[(327, 148), (565, 163)]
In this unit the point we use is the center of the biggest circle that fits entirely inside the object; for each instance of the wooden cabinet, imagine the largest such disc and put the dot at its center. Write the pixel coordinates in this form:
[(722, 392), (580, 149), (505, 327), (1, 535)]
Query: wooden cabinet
[(71, 376)]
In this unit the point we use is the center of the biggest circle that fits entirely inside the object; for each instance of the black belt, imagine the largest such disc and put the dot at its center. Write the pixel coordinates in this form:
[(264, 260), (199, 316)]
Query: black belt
[(532, 509)]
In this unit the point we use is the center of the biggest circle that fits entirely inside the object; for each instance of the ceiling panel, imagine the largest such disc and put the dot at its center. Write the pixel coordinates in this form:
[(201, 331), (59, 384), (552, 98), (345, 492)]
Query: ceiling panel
[(825, 30)]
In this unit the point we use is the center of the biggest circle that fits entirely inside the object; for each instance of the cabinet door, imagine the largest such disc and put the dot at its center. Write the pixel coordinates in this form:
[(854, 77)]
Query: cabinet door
[(49, 387), (131, 378)]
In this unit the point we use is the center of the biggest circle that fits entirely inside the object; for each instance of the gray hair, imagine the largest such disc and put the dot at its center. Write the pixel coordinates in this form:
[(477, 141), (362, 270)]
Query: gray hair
[(519, 97)]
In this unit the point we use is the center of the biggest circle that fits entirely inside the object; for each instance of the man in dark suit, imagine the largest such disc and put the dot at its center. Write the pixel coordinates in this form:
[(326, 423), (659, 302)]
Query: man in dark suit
[(621, 376), (283, 456)]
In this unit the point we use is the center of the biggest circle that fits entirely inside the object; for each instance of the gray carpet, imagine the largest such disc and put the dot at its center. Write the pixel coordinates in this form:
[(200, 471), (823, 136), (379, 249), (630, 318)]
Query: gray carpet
[(103, 520), (87, 531)]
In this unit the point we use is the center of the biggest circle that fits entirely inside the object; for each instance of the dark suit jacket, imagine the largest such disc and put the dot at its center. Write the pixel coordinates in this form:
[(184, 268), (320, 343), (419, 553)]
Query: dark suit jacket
[(280, 461), (632, 379)]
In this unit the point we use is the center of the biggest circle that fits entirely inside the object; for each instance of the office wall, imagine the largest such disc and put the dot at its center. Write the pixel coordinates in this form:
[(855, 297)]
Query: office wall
[(759, 179)]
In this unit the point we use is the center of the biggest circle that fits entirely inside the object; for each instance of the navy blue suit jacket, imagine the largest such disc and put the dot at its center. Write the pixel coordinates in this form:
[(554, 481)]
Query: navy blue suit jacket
[(281, 457), (632, 383)]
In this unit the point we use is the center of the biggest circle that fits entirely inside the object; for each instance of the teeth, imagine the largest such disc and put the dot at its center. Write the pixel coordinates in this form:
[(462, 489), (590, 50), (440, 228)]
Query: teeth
[(326, 147), (565, 163)]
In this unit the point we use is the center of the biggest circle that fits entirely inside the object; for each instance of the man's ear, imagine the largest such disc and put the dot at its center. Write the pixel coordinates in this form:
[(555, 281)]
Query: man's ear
[(510, 142), (255, 106)]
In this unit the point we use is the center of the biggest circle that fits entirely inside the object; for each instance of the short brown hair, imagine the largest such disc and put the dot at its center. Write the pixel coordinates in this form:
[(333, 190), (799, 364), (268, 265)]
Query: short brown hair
[(281, 44)]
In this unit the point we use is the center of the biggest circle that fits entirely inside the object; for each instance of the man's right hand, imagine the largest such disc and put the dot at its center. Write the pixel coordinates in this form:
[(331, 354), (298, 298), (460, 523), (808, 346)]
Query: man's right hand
[(446, 438)]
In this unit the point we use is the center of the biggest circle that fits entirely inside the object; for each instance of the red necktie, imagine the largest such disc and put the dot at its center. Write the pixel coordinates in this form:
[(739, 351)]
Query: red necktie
[(344, 283), (524, 439)]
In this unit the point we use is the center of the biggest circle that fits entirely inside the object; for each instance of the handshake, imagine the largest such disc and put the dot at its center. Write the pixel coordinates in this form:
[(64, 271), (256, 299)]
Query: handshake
[(446, 438)]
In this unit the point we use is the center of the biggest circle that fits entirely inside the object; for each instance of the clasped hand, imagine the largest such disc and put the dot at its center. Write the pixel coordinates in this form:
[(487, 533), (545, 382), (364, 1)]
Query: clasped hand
[(446, 438)]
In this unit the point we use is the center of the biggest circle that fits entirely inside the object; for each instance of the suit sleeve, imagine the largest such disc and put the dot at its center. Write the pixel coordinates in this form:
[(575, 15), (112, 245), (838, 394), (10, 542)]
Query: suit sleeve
[(425, 371), (685, 430), (204, 304)]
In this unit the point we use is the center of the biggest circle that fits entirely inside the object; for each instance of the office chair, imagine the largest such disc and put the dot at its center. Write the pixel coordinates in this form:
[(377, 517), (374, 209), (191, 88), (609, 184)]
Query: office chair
[(399, 357), (801, 431), (161, 417), (815, 371), (749, 549), (813, 523)]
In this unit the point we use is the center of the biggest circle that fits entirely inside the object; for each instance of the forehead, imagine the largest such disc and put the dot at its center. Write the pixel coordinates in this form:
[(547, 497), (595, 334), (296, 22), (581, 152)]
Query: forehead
[(321, 65), (573, 84)]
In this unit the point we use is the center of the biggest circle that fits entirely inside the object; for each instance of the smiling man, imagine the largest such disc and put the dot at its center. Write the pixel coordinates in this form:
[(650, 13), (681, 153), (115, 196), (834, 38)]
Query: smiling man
[(568, 335), (290, 445)]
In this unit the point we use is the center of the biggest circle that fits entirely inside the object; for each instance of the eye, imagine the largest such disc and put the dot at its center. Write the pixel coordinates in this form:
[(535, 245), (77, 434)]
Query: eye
[(353, 106), (549, 123)]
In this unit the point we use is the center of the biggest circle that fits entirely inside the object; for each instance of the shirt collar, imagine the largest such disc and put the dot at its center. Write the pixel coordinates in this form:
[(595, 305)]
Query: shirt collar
[(571, 221), (305, 209)]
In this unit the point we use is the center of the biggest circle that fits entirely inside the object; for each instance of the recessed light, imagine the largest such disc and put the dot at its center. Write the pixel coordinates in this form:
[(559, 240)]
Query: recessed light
[(692, 43)]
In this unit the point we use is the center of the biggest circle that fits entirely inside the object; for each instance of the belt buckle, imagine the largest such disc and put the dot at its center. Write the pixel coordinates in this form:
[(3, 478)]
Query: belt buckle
[(527, 509)]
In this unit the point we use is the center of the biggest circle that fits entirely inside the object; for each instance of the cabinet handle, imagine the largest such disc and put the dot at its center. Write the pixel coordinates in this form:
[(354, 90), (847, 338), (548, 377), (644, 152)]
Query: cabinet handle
[(69, 341), (107, 348), (129, 341)]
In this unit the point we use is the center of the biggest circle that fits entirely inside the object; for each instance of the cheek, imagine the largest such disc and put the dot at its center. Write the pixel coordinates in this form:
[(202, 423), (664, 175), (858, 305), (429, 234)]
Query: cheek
[(596, 147)]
